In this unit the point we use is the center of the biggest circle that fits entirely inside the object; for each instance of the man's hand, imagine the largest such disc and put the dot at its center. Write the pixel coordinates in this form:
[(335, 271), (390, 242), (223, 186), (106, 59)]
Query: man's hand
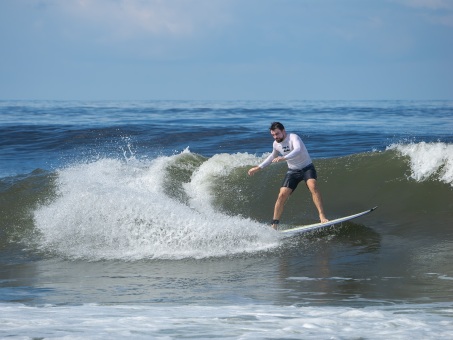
[(253, 170), (278, 159)]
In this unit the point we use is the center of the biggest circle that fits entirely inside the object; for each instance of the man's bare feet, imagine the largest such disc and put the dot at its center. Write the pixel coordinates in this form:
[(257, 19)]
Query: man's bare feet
[(323, 219), (275, 224)]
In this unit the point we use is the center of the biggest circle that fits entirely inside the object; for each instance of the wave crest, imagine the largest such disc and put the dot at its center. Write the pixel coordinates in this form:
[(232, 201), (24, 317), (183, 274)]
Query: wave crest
[(428, 160), (109, 209)]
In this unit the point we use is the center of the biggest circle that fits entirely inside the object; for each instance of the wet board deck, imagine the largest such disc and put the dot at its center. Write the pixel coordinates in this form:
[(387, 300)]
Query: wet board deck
[(309, 227)]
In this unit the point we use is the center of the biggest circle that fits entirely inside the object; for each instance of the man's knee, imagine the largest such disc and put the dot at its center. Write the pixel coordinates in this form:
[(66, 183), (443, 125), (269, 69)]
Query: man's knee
[(284, 193), (312, 185)]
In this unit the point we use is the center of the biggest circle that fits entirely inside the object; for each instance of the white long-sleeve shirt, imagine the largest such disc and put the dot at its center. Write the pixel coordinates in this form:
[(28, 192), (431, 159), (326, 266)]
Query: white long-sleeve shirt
[(294, 151)]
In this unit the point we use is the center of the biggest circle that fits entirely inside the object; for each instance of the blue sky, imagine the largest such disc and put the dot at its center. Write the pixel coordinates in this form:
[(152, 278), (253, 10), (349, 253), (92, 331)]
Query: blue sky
[(226, 49)]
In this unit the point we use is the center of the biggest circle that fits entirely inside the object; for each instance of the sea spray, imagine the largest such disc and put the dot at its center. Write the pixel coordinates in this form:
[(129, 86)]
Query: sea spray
[(215, 169), (428, 160), (109, 209)]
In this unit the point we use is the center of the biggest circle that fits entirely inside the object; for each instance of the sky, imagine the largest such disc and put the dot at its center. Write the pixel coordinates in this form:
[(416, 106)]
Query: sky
[(226, 49)]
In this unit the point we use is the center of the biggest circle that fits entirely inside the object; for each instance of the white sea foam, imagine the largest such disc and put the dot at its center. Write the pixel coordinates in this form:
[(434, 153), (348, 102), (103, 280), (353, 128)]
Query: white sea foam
[(218, 166), (91, 321), (428, 160), (111, 209)]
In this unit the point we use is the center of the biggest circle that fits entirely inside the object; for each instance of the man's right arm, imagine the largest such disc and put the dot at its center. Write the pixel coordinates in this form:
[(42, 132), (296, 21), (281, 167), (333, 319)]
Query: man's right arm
[(264, 164), (254, 170)]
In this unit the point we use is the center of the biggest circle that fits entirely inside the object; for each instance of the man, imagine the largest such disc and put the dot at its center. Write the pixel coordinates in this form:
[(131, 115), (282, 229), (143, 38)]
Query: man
[(300, 167)]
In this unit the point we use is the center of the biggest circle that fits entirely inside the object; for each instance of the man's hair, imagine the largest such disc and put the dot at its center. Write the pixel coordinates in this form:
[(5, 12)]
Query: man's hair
[(277, 125)]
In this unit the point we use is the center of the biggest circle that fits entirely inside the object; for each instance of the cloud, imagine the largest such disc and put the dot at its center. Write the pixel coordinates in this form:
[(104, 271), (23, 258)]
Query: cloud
[(438, 12), (429, 4), (130, 19)]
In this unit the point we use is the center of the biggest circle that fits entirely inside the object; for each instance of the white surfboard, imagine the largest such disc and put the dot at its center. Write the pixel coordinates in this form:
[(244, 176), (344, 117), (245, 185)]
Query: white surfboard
[(309, 227)]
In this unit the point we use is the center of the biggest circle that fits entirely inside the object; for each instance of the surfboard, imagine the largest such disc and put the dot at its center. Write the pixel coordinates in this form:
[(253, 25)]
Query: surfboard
[(309, 227)]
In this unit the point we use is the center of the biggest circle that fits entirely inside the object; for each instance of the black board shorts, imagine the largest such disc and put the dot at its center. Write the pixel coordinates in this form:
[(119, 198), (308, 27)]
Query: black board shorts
[(294, 177)]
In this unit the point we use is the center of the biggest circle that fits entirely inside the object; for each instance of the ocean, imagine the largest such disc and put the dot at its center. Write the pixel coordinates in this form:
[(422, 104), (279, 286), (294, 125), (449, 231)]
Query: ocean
[(137, 219)]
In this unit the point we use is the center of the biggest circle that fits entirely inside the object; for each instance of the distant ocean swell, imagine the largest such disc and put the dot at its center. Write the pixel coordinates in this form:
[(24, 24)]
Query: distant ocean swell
[(190, 206)]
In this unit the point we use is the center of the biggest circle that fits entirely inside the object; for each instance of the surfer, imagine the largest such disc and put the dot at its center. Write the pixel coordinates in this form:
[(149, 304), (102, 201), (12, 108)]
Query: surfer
[(300, 168)]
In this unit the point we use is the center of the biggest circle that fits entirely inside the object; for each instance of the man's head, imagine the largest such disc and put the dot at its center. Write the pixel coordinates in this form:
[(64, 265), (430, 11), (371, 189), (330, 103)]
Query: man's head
[(278, 132)]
